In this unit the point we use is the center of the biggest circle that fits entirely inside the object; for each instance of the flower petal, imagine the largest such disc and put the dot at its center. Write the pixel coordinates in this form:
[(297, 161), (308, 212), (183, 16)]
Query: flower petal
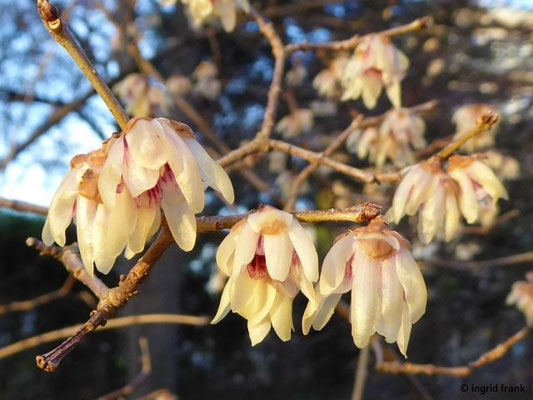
[(483, 175), (180, 218), (225, 306), (85, 215), (111, 173), (391, 302), (452, 217), (318, 317), (415, 292), (137, 240), (61, 208), (259, 331), (467, 199), (281, 317), (305, 249), (269, 218), (278, 254), (334, 265), (225, 251), (212, 173), (245, 248), (405, 330), (364, 307), (185, 168), (147, 143)]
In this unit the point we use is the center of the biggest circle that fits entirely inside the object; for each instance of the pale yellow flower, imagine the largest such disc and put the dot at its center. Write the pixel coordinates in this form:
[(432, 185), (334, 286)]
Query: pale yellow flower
[(465, 119), (522, 297), (388, 293), (328, 81), (269, 258), (297, 122), (226, 10), (116, 192), (206, 83), (427, 190), (375, 64), (480, 188), (142, 99), (400, 133)]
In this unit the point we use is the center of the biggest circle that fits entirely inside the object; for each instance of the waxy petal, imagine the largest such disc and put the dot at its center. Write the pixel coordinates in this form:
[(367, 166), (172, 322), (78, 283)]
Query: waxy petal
[(415, 292), (278, 254), (334, 265), (180, 218), (212, 173), (281, 317), (147, 144), (305, 249), (365, 300)]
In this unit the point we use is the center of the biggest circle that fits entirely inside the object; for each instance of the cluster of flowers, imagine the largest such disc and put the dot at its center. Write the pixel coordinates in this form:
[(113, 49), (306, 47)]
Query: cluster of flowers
[(375, 64), (115, 193), (269, 258), (394, 140), (440, 195)]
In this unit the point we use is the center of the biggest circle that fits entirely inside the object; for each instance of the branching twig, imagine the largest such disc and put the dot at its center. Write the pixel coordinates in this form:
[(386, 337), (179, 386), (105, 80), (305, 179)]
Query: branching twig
[(280, 56), (352, 43), (114, 299), (116, 323), (27, 305), (70, 257), (395, 367)]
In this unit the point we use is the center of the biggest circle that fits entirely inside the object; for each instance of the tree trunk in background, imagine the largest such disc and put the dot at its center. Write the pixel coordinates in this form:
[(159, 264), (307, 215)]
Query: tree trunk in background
[(158, 294)]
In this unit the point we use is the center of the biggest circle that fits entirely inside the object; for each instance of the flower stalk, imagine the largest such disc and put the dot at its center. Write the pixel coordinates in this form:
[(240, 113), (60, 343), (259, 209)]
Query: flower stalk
[(484, 124), (61, 33)]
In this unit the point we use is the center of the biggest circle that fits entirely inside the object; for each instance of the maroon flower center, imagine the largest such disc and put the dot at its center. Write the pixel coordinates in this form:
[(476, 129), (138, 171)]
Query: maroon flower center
[(257, 269)]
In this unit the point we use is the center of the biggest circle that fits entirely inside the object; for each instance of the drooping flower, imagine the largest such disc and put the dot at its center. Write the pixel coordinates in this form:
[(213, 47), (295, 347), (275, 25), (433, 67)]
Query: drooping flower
[(480, 188), (226, 10), (439, 196), (427, 190), (388, 293), (328, 81), (375, 64), (297, 122), (465, 119), (102, 233), (269, 258), (400, 133), (141, 97), (162, 165), (522, 297), (116, 192)]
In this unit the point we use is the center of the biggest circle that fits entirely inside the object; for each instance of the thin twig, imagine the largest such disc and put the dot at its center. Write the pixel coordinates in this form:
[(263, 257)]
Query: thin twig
[(395, 367), (115, 323), (350, 44), (483, 124), (23, 206), (361, 374), (27, 305), (280, 57), (55, 118), (70, 257), (61, 33), (485, 230), (491, 263), (146, 370), (107, 306)]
